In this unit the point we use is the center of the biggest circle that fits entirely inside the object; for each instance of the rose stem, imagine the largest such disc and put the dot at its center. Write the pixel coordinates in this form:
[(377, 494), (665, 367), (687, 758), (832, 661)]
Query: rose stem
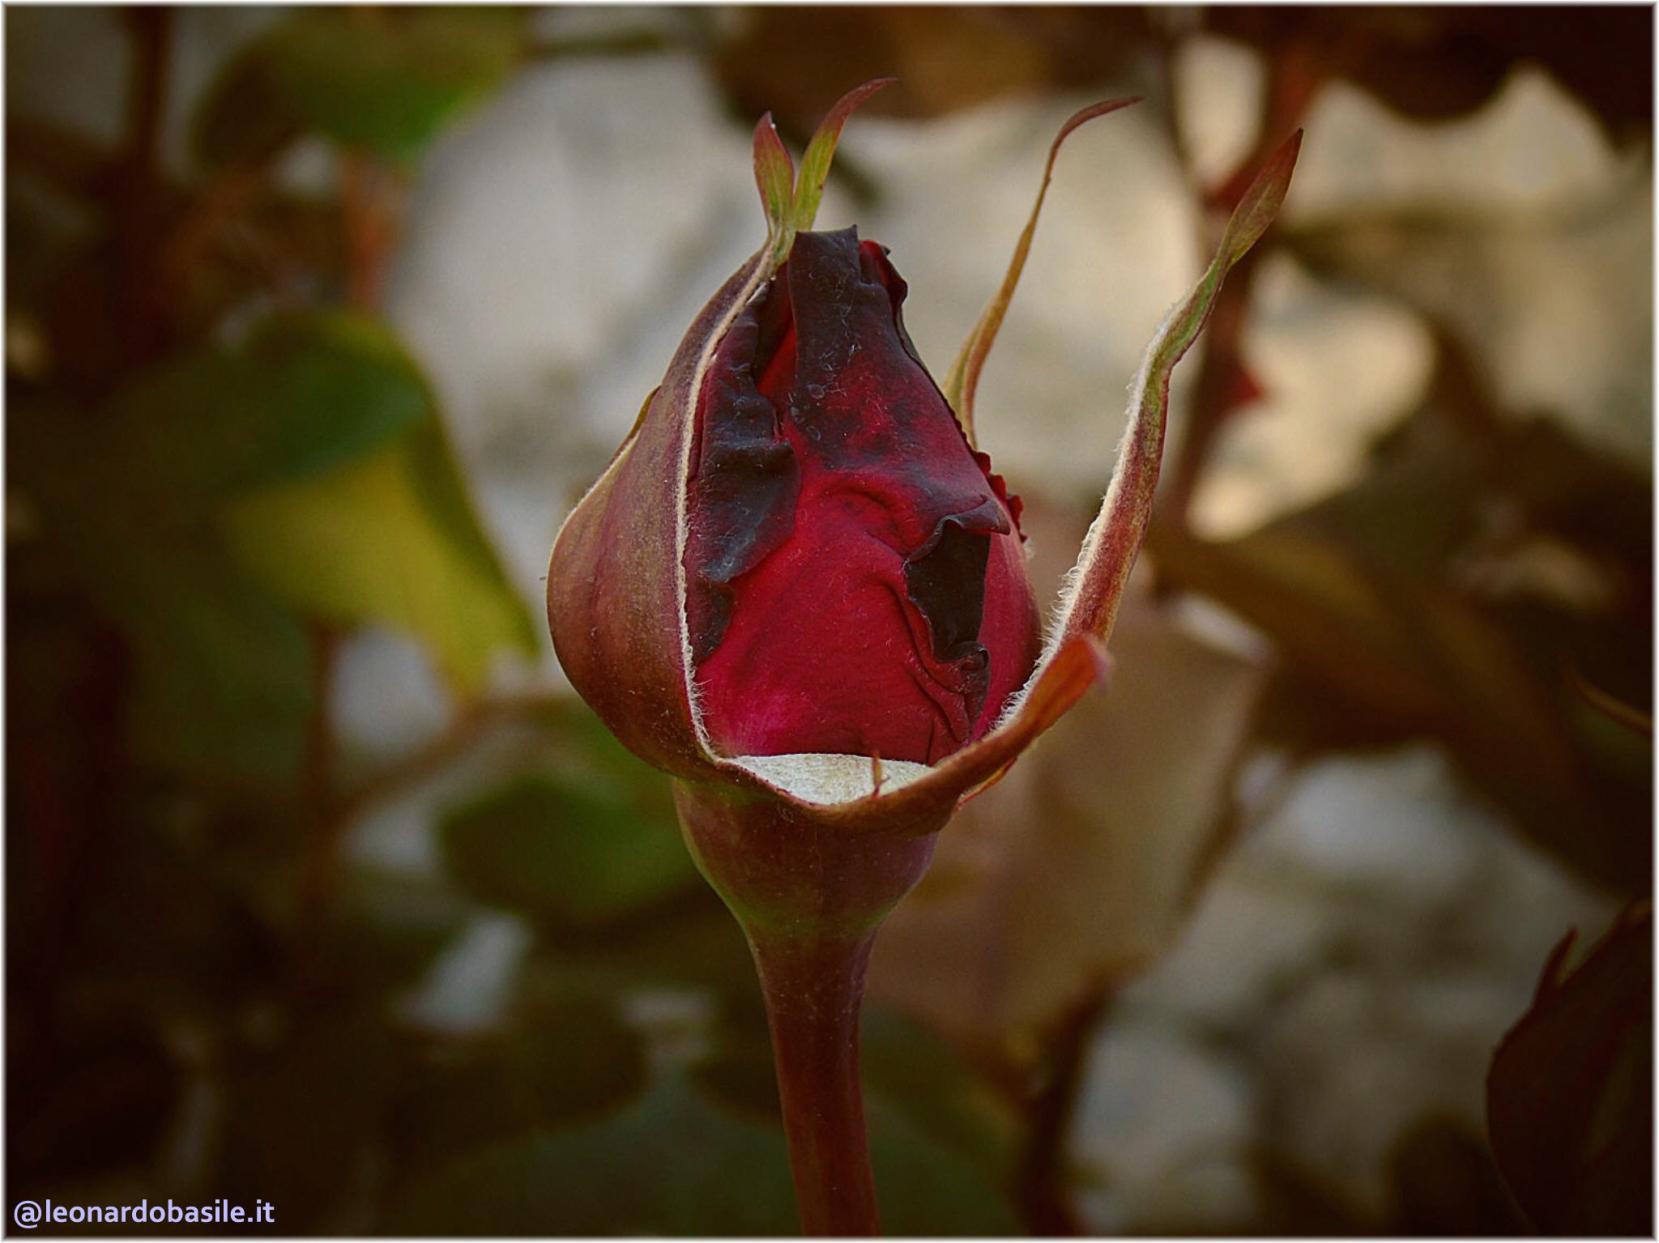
[(810, 894), (814, 989)]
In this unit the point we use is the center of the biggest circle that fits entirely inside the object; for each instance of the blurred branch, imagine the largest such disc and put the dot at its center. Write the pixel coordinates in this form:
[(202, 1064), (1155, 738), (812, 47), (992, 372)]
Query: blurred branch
[(140, 221), (151, 31), (466, 729), (1166, 39), (368, 239), (1224, 383), (1042, 1187), (369, 219), (317, 795), (1628, 716)]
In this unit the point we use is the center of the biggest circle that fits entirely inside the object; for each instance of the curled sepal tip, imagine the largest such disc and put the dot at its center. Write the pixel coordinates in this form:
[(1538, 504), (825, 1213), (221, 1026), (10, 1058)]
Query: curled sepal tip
[(1090, 603), (962, 380)]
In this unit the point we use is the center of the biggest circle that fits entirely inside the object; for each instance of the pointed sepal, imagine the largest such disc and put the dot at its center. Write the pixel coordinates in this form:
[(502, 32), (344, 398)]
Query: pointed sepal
[(1089, 604), (820, 152), (775, 179)]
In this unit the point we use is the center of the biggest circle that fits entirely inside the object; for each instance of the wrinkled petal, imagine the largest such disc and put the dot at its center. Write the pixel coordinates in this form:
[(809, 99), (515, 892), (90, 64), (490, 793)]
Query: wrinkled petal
[(858, 584)]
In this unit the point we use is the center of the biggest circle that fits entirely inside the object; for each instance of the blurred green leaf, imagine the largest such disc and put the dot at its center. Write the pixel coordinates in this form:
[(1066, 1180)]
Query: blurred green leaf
[(943, 1143), (304, 393), (245, 115), (224, 683), (920, 1077), (1569, 1098), (389, 79), (322, 389), (691, 941), (741, 1076), (131, 494), (673, 1164), (389, 538), (557, 1065), (929, 1187), (568, 852), (587, 751)]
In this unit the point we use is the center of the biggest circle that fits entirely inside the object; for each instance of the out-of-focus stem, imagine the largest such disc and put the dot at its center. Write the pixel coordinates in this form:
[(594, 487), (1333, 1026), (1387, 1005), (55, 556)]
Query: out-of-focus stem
[(1042, 1192), (814, 990), (144, 315), (317, 782)]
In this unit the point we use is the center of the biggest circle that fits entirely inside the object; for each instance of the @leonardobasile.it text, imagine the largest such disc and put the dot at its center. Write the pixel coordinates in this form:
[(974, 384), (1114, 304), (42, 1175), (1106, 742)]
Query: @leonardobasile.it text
[(30, 1214)]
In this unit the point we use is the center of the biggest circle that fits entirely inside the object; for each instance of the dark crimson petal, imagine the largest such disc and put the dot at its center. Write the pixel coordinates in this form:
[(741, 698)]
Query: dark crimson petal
[(946, 580), (859, 397), (775, 327), (743, 483), (946, 577), (868, 628)]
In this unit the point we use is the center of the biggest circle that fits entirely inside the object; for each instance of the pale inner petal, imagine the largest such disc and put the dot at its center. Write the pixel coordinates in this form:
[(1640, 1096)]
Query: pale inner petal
[(830, 779)]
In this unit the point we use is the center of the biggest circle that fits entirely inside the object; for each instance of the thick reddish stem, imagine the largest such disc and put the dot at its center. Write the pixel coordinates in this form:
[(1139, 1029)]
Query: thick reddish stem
[(814, 991), (810, 897)]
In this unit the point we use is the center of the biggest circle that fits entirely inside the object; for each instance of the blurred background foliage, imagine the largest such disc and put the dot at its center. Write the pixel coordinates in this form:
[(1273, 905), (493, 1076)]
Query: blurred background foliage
[(323, 888)]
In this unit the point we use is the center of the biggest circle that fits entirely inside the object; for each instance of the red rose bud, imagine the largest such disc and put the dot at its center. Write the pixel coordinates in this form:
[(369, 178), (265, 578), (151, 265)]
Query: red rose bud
[(800, 590), (856, 581)]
